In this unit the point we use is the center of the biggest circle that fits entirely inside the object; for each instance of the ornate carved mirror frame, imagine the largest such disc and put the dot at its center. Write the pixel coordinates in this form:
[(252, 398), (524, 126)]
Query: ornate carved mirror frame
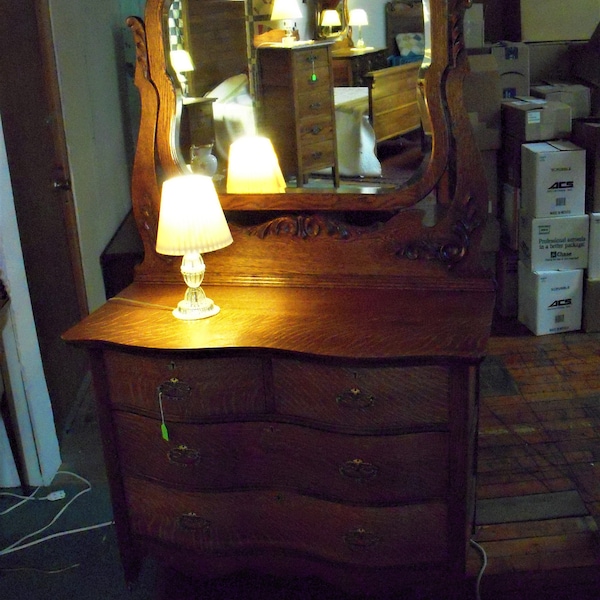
[(342, 7), (406, 249)]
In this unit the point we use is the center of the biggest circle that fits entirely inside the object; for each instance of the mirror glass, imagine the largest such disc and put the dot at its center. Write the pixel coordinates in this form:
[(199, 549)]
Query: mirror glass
[(331, 19), (213, 55)]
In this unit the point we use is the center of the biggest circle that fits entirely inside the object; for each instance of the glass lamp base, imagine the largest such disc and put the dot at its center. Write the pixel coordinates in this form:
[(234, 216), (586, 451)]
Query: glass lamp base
[(191, 311)]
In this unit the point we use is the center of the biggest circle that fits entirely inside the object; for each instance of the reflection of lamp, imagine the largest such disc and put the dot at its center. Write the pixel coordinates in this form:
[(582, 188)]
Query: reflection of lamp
[(253, 167), (191, 221), (330, 18), (358, 18), (182, 63), (284, 10)]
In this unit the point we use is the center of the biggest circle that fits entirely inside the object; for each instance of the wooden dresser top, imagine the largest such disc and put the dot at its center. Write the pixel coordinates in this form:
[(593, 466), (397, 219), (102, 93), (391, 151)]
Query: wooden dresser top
[(350, 323)]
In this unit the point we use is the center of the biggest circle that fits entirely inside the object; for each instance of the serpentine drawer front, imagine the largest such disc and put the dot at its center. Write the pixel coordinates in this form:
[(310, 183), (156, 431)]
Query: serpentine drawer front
[(342, 463), (280, 521), (365, 468)]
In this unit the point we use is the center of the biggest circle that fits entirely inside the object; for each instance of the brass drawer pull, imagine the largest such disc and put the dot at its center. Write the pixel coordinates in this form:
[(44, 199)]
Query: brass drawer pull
[(316, 130), (183, 456), (356, 399), (315, 105), (174, 390), (193, 522), (316, 155), (360, 539), (359, 470)]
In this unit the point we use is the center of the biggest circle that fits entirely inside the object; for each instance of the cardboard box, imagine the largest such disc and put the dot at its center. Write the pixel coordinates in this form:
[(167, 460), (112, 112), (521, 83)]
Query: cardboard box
[(591, 306), (510, 215), (550, 301), (483, 97), (576, 95), (513, 68), (507, 282), (489, 158), (552, 179), (594, 247), (532, 119), (585, 67), (586, 133), (551, 20), (551, 61), (473, 25), (510, 160), (551, 243)]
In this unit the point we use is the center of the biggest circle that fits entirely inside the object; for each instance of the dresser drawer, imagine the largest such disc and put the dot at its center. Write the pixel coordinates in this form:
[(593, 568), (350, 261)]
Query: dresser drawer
[(347, 468), (316, 156), (317, 103), (316, 129), (371, 399), (280, 521), (187, 388), (309, 82)]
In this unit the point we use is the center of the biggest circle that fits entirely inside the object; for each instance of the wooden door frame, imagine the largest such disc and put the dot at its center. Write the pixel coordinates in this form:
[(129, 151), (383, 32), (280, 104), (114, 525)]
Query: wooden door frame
[(63, 175)]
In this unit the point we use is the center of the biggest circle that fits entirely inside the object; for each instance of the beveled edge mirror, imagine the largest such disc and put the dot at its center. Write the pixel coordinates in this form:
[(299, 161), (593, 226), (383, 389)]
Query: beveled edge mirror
[(452, 170)]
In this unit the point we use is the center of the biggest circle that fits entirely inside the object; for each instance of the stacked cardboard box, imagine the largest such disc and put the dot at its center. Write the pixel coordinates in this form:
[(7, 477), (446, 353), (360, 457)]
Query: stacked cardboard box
[(586, 133), (535, 121), (553, 237)]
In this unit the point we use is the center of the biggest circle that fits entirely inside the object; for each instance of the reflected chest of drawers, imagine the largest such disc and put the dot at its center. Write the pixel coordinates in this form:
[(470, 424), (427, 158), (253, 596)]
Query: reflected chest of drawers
[(350, 65), (296, 108), (320, 461)]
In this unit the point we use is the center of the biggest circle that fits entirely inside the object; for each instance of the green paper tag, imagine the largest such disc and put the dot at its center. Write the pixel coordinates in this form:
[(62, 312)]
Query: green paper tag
[(165, 432)]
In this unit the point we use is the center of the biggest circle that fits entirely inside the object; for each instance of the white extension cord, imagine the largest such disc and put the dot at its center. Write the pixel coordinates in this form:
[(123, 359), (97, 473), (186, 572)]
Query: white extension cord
[(52, 497)]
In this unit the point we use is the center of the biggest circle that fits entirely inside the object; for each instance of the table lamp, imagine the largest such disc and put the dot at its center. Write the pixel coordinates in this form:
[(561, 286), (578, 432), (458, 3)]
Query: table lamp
[(253, 167), (358, 18), (285, 10), (191, 222)]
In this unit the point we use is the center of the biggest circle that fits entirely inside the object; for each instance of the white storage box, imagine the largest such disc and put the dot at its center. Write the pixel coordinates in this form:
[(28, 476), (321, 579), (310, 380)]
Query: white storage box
[(550, 301), (550, 243), (594, 245), (552, 179)]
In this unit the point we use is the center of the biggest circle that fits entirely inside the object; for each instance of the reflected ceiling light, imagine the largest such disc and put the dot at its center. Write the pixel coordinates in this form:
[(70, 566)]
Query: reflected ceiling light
[(253, 167), (285, 10), (358, 18), (191, 222)]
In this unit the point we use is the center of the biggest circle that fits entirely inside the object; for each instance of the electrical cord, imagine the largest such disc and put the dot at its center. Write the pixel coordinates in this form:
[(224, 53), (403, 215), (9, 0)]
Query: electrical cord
[(19, 545), (484, 561), (23, 500)]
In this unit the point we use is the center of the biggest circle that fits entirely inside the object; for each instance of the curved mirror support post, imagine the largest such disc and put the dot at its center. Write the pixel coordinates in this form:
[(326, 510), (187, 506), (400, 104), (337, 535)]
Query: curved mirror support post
[(450, 176)]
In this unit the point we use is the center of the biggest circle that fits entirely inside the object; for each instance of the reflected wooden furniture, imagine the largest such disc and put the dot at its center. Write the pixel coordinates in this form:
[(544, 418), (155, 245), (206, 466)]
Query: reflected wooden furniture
[(296, 108), (395, 97), (394, 108), (350, 65), (324, 422)]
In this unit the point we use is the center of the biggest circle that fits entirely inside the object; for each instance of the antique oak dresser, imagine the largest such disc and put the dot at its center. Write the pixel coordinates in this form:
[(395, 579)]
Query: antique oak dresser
[(324, 422)]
